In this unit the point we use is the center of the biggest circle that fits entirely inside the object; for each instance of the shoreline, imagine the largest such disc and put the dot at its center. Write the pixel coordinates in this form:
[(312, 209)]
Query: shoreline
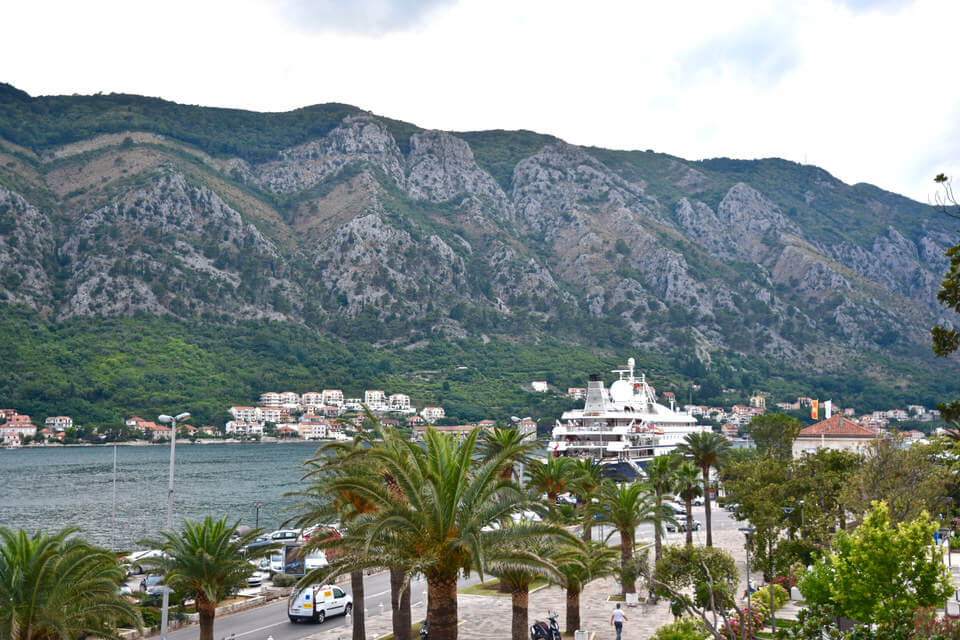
[(141, 443)]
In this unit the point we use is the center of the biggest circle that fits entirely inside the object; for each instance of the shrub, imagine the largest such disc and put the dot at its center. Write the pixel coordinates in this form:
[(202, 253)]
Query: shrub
[(780, 595), (751, 618), (686, 628), (283, 580), (928, 626)]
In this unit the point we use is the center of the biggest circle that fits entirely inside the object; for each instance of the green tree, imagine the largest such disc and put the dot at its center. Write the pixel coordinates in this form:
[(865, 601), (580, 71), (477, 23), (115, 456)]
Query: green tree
[(577, 567), (449, 518), (685, 568), (686, 480), (660, 476), (553, 477), (906, 478), (588, 478), (946, 341), (518, 566), (626, 507), (58, 587), (707, 449), (774, 434), (880, 570), (206, 561)]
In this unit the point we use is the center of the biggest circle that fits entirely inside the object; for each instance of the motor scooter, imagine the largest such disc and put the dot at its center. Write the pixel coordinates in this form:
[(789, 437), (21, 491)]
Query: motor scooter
[(543, 631), (423, 630)]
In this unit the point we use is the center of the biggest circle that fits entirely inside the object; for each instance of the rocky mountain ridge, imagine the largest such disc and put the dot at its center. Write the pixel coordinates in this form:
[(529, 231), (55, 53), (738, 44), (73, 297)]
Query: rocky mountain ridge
[(382, 231)]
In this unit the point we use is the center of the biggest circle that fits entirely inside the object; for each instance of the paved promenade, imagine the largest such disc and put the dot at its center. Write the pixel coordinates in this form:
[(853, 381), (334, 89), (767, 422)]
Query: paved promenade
[(487, 617)]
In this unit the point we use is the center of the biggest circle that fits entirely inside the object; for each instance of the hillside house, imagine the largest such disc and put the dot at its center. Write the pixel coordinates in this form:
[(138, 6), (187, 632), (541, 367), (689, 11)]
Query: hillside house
[(58, 423), (432, 414), (333, 397)]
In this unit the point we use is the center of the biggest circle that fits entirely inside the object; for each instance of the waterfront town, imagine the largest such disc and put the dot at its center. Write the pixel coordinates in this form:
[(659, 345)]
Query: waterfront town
[(329, 415)]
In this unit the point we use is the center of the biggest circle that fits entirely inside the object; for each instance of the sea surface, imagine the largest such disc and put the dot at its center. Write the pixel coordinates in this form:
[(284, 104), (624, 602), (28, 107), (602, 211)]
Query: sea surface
[(49, 488)]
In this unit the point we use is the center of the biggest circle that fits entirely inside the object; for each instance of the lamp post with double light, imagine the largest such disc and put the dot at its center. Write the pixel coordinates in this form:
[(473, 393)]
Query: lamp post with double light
[(172, 420)]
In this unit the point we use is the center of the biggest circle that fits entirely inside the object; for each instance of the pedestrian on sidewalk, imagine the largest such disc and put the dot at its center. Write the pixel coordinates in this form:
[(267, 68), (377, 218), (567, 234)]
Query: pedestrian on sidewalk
[(616, 620)]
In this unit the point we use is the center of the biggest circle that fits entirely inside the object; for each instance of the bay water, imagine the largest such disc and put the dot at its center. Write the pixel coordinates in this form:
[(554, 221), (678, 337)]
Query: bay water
[(52, 487)]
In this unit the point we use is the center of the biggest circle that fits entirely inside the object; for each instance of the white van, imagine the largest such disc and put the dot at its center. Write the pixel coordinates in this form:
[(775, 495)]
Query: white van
[(316, 603)]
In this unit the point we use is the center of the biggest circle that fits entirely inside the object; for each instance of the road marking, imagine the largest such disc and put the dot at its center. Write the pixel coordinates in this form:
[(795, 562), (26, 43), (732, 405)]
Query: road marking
[(246, 633)]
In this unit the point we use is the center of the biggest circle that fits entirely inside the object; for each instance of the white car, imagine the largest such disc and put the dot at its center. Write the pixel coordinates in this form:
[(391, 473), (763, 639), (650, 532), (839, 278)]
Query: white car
[(697, 502), (256, 578), (134, 563), (683, 526), (315, 603)]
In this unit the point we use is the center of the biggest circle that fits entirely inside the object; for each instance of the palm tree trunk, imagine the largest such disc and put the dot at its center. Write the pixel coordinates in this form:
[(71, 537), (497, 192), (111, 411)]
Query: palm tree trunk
[(442, 607), (359, 624), (627, 579), (400, 604), (706, 504), (573, 611), (207, 611), (689, 523), (520, 598)]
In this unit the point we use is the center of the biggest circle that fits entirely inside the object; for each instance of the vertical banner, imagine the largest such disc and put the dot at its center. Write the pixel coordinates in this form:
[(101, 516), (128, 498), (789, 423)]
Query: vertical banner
[(828, 408), (814, 406)]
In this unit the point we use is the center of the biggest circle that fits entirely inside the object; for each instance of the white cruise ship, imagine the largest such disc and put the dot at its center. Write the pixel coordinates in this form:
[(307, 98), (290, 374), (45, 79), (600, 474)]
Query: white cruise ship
[(623, 426)]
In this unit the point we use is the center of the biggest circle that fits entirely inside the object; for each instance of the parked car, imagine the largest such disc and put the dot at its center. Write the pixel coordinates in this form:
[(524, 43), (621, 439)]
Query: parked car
[(697, 502), (151, 586), (678, 509), (259, 541), (256, 578), (285, 535), (135, 562), (566, 498), (682, 525), (317, 602)]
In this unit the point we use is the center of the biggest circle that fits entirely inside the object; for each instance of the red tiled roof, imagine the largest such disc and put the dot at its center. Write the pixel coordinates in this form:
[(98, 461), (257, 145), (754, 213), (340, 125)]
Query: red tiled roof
[(836, 426)]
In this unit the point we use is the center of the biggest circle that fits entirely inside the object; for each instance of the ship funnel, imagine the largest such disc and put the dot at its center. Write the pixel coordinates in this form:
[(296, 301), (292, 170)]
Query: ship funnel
[(595, 404)]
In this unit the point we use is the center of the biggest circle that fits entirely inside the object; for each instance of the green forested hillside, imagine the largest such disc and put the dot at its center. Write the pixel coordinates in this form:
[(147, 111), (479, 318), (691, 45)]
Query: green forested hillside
[(99, 370)]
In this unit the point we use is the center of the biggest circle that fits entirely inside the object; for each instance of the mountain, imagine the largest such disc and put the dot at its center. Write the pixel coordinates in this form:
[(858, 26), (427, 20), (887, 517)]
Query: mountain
[(357, 227)]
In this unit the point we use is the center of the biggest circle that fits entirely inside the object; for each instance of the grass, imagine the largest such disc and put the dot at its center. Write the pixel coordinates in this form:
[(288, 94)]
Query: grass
[(414, 632), (491, 588)]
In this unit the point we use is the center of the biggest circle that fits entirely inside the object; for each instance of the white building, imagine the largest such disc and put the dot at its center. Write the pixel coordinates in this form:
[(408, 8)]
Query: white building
[(58, 423), (20, 424), (432, 414), (333, 397), (399, 402), (245, 414), (540, 386), (270, 399), (375, 399), (290, 399), (270, 414), (353, 404), (312, 400), (243, 429)]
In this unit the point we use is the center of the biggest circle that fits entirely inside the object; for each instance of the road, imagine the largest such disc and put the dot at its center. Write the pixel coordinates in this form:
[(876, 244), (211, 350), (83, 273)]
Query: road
[(271, 620)]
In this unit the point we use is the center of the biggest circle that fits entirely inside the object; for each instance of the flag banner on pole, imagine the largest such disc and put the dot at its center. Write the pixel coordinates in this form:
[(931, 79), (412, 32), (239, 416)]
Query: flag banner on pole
[(814, 406), (828, 409)]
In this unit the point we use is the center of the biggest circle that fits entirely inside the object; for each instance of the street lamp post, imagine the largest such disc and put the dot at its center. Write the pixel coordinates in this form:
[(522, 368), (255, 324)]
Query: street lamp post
[(789, 511), (802, 525), (747, 532), (164, 617), (773, 609), (257, 505)]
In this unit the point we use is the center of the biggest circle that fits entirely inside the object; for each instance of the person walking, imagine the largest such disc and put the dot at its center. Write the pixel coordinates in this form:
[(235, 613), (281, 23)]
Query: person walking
[(616, 620)]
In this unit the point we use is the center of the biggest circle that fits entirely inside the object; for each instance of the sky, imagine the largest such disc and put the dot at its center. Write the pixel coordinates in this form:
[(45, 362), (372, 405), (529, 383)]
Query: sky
[(866, 89)]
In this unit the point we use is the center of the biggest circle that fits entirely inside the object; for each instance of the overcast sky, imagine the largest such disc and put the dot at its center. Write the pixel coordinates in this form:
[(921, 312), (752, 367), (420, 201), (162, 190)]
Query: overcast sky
[(866, 89)]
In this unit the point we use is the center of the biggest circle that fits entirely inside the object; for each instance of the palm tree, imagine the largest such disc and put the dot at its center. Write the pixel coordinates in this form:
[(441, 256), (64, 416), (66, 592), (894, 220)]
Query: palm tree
[(207, 561), (660, 477), (627, 506), (495, 441), (578, 566), (450, 516), (588, 477), (517, 569), (58, 587), (706, 449), (687, 478), (553, 477)]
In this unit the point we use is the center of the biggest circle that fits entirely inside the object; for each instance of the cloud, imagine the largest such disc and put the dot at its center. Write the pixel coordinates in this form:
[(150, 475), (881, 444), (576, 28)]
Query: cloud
[(363, 17), (858, 6), (760, 54)]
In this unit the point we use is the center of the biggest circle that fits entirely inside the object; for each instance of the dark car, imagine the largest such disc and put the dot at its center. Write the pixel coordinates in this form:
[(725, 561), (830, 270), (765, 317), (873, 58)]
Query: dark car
[(151, 585)]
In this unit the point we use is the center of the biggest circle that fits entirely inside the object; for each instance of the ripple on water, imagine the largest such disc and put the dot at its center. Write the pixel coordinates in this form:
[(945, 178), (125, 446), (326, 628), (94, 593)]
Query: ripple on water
[(50, 488)]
